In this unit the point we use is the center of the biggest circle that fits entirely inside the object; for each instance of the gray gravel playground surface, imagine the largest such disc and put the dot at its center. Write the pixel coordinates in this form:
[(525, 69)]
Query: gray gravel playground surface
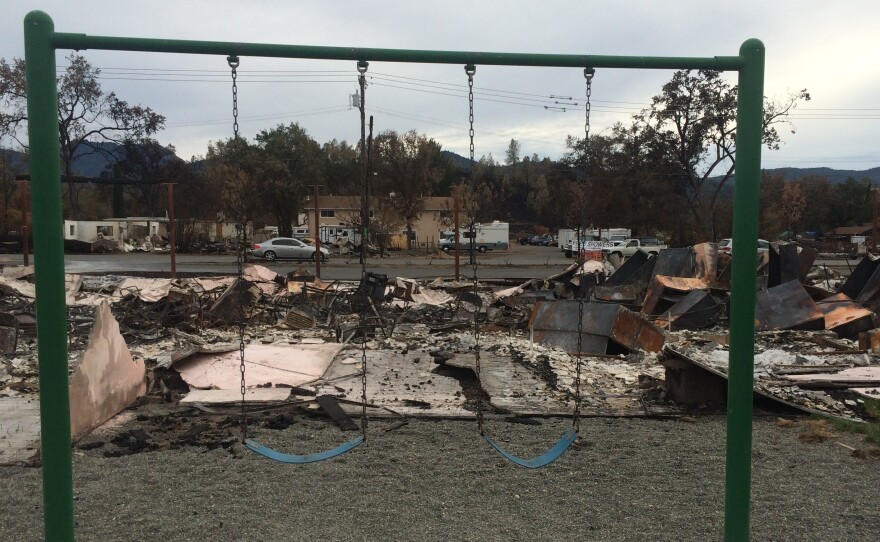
[(625, 479)]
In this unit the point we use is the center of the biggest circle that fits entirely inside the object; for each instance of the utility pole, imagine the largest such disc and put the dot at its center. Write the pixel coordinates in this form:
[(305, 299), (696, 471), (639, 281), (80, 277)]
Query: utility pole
[(317, 231), (874, 221), (23, 191), (455, 192), (170, 189)]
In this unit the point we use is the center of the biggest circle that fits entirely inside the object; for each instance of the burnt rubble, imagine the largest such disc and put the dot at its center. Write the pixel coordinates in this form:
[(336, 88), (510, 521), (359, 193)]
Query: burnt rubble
[(653, 342)]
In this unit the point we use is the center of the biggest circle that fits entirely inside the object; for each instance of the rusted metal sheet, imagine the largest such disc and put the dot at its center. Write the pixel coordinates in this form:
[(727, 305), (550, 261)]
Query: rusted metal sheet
[(667, 291), (806, 258), (606, 328), (699, 309), (637, 268), (863, 283), (787, 306), (626, 294), (675, 262), (783, 264), (845, 317)]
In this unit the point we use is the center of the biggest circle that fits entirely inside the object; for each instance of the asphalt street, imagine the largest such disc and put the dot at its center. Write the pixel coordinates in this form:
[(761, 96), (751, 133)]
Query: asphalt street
[(518, 262)]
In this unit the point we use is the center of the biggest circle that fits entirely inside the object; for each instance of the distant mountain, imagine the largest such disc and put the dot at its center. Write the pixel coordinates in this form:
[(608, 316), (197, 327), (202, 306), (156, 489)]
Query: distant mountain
[(457, 160), (836, 176), (17, 161), (91, 161)]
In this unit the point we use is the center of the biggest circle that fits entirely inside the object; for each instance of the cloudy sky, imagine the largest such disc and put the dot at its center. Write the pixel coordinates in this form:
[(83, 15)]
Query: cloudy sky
[(829, 48)]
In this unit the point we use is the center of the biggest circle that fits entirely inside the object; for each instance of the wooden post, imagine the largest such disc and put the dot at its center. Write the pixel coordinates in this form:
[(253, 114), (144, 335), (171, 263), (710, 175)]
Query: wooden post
[(23, 189), (317, 232), (170, 187)]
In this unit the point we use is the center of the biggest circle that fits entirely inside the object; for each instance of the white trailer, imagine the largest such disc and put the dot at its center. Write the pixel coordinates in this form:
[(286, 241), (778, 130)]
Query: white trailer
[(564, 237), (491, 236)]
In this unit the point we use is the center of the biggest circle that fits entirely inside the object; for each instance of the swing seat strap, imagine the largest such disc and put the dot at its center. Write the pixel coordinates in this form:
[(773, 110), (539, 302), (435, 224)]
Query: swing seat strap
[(542, 460), (296, 459)]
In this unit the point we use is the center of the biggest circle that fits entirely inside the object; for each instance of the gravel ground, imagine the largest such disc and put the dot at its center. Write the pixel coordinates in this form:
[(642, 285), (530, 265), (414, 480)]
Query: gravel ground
[(625, 479)]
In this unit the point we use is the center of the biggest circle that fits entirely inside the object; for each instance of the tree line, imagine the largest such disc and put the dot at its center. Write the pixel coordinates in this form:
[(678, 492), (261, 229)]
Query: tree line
[(668, 171)]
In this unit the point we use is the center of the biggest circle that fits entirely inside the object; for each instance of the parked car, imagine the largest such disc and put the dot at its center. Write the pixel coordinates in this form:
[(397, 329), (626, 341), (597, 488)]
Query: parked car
[(287, 248), (628, 247), (726, 245), (541, 240)]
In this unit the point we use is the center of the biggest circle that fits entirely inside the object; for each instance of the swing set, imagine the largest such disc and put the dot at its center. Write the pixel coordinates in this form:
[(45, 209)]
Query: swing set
[(41, 43)]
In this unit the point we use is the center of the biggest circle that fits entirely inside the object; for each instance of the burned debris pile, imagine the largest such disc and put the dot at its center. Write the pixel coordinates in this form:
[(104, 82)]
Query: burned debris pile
[(653, 342)]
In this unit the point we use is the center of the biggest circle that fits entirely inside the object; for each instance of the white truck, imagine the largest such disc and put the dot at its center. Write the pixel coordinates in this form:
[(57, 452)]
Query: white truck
[(564, 237), (628, 247), (491, 236), (567, 236)]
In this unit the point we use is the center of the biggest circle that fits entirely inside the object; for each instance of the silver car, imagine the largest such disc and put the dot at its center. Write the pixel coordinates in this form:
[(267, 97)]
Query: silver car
[(287, 248)]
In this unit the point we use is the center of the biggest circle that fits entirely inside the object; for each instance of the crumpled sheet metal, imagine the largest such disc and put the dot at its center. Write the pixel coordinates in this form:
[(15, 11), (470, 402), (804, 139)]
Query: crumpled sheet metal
[(787, 306), (554, 323), (662, 285), (675, 262), (698, 309), (845, 317), (636, 269), (784, 264), (863, 283)]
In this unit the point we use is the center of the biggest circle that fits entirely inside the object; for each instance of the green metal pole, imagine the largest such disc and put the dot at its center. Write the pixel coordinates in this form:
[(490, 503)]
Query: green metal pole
[(42, 101), (749, 120), (82, 42)]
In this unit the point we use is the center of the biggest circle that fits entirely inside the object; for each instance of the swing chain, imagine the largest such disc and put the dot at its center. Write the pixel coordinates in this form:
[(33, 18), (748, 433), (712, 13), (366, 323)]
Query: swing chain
[(242, 239), (233, 64), (588, 74), (362, 80), (470, 70)]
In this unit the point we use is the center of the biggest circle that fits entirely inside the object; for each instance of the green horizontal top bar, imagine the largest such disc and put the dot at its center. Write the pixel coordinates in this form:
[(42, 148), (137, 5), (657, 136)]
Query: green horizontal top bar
[(82, 41)]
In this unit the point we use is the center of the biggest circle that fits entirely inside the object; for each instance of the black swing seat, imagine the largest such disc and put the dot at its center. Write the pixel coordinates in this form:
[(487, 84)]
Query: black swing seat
[(296, 459), (542, 460)]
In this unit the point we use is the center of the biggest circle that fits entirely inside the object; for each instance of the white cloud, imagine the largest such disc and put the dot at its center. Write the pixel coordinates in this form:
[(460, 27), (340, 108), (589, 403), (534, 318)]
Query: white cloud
[(829, 48)]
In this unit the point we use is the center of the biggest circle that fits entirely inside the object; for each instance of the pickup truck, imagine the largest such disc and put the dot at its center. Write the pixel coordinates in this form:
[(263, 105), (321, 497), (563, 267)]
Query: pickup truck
[(629, 247)]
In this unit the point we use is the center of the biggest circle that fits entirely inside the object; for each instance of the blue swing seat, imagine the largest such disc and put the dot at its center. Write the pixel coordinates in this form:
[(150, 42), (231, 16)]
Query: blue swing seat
[(302, 459), (542, 460)]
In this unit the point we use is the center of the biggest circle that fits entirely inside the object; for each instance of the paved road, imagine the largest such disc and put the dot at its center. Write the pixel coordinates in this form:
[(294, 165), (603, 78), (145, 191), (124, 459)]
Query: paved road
[(519, 262)]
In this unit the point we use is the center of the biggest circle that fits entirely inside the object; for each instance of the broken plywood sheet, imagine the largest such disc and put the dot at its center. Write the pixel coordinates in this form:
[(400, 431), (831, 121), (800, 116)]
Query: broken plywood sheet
[(254, 395), (292, 365), (410, 384), (19, 430), (107, 380)]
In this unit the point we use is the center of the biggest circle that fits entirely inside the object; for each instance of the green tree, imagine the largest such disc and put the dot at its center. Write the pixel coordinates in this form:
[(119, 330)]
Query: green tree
[(692, 122), (87, 115), (408, 168), (289, 161), (147, 164)]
